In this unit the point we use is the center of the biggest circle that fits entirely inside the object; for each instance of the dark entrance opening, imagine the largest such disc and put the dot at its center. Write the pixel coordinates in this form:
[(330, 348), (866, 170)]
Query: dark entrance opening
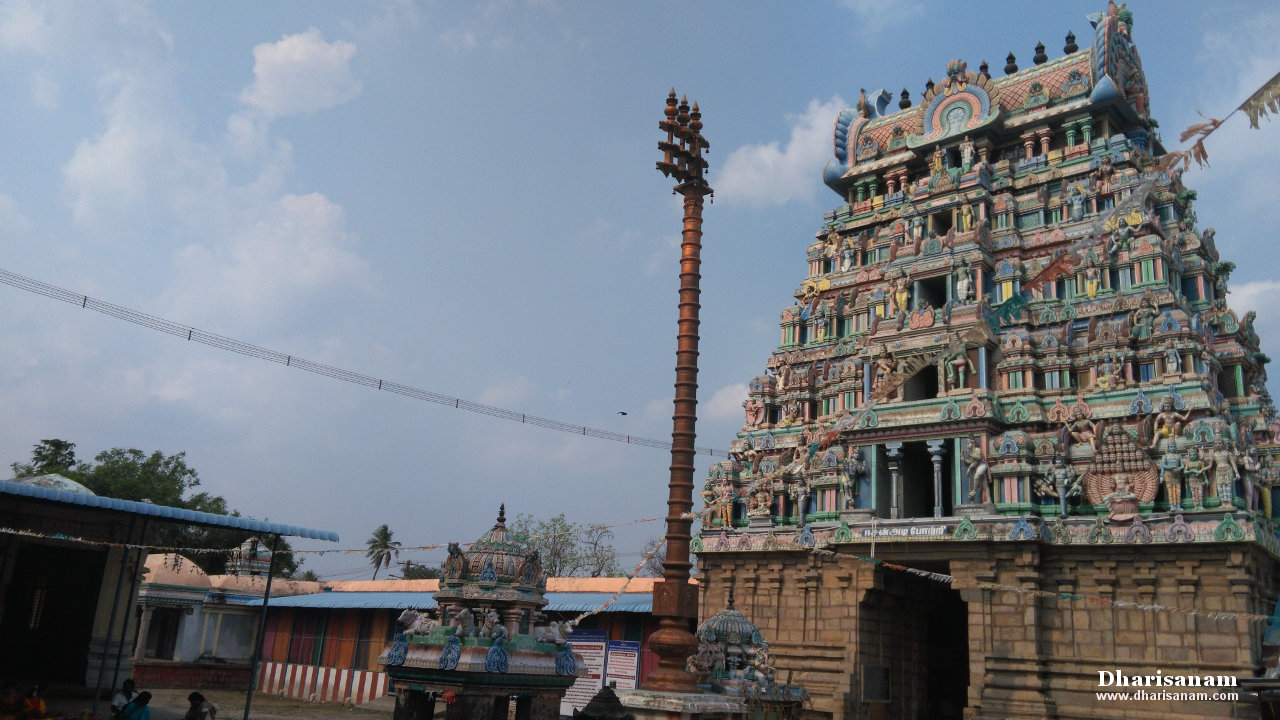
[(922, 386), (913, 647), (916, 477), (933, 291), (48, 613)]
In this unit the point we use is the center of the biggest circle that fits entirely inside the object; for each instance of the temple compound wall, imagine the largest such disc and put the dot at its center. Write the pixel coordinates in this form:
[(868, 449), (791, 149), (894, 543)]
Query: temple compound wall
[(1013, 439)]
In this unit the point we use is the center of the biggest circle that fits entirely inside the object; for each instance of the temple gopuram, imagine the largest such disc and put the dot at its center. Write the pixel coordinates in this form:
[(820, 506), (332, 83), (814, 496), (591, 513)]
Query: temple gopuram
[(1014, 442)]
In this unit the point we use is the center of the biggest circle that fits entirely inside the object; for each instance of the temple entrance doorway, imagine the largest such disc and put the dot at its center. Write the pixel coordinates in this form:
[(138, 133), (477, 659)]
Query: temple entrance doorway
[(913, 647), (48, 613)]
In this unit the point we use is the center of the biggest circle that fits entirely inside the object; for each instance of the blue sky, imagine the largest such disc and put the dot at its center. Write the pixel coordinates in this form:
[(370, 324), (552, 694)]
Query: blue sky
[(461, 197)]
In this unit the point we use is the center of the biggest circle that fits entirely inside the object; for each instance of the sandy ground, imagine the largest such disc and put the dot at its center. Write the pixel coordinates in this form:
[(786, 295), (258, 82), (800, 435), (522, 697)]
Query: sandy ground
[(172, 704)]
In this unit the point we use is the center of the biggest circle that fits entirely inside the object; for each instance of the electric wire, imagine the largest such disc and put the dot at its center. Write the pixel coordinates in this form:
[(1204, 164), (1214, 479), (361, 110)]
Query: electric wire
[(239, 347)]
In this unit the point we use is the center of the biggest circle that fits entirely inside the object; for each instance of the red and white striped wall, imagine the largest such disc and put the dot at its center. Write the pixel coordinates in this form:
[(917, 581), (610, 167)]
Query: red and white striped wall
[(326, 684)]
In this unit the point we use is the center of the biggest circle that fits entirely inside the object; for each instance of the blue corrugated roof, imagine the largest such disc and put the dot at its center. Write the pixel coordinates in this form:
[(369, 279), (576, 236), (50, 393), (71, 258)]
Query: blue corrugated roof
[(582, 602), (556, 602), (163, 512), (355, 600)]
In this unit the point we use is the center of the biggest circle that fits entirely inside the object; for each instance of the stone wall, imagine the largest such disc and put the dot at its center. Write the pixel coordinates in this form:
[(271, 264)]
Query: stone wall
[(196, 676), (871, 642)]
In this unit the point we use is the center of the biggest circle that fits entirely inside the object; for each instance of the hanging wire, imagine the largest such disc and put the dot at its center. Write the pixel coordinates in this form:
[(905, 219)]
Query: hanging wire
[(243, 348)]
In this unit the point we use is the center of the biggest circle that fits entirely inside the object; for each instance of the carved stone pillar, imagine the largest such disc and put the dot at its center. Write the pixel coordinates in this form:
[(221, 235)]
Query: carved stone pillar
[(935, 453), (894, 451), (144, 629)]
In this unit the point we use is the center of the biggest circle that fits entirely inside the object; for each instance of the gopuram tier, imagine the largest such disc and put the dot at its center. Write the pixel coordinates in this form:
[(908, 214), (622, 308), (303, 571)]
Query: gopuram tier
[(1011, 363)]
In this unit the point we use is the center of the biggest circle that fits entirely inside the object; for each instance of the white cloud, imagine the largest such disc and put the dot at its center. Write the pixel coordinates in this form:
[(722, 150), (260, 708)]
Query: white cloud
[(295, 248), (23, 26), (507, 393), (726, 404), (1264, 297), (769, 174), (301, 74), (12, 223), (874, 16)]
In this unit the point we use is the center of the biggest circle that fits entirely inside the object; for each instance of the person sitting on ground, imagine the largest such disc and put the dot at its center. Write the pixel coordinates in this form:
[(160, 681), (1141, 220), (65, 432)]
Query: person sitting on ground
[(201, 709), (127, 692), (12, 704), (137, 708), (36, 708)]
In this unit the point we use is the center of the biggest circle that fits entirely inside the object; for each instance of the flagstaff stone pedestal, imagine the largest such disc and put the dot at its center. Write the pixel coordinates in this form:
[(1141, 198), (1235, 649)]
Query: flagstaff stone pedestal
[(650, 705)]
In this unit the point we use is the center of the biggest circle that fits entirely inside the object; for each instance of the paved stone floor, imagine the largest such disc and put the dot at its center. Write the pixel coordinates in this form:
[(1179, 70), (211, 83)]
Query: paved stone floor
[(171, 704)]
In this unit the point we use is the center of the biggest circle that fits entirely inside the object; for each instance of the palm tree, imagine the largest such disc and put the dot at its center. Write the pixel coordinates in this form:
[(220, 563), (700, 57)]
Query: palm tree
[(381, 548)]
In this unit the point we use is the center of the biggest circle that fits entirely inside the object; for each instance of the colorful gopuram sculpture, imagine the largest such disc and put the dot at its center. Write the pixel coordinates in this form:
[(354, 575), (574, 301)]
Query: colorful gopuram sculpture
[(1014, 435), (1014, 310)]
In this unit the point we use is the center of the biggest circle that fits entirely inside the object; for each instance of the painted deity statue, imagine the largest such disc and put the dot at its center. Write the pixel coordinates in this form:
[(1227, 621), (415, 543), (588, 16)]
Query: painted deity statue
[(1171, 474), (800, 493), (1269, 478), (1144, 321), (720, 503), (1196, 474), (1065, 481), (901, 295), (967, 150), (760, 498), (1172, 359), (964, 284), (978, 471), (1224, 472), (1167, 423), (1080, 430), (1042, 486), (1122, 501), (1108, 373), (957, 368), (1092, 281), (854, 468), (1250, 471)]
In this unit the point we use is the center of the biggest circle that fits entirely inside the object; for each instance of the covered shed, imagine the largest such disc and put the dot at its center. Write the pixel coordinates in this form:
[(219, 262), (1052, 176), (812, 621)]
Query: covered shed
[(70, 564)]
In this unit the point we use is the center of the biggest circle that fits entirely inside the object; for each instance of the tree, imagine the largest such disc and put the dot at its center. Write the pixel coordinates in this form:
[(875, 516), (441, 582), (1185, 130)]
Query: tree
[(653, 562), (48, 456), (131, 474), (414, 571), (381, 548), (568, 549)]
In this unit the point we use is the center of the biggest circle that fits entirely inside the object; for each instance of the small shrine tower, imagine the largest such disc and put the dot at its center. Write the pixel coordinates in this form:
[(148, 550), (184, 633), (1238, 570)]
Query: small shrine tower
[(490, 650)]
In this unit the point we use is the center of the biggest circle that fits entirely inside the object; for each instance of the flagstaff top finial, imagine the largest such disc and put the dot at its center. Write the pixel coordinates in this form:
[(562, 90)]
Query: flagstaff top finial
[(684, 144)]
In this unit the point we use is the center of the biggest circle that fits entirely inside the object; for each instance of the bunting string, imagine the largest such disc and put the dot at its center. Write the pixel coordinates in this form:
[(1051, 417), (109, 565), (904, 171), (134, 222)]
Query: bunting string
[(1088, 601)]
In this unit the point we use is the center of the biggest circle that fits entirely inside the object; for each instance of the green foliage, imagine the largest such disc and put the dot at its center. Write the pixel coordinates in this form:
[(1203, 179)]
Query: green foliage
[(131, 474), (414, 571), (381, 548), (1222, 270), (568, 549)]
